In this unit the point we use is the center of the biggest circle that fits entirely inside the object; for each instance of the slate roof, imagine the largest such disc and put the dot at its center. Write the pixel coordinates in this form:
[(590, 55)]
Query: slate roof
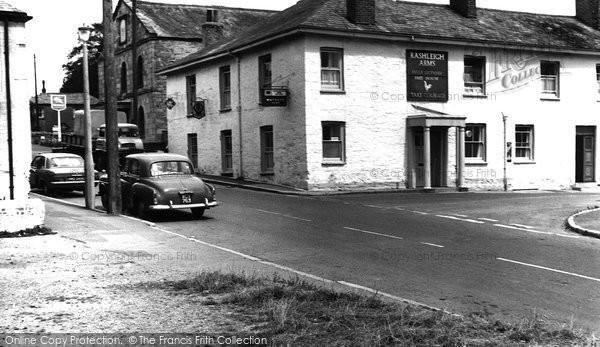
[(10, 12), (72, 99), (418, 20), (185, 21)]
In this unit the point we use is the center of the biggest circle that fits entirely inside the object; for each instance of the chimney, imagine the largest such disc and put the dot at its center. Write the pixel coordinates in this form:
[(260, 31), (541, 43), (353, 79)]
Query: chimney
[(360, 11), (467, 8), (211, 33), (587, 11)]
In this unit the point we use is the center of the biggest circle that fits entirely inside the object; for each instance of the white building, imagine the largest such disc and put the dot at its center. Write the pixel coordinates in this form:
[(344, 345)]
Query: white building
[(395, 94), (17, 212)]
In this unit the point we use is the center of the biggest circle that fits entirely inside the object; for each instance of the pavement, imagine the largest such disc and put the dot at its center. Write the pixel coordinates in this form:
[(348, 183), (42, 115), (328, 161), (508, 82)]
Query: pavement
[(586, 222)]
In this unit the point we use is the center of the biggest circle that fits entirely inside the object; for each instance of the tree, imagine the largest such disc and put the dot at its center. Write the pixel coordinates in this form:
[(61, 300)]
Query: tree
[(73, 81)]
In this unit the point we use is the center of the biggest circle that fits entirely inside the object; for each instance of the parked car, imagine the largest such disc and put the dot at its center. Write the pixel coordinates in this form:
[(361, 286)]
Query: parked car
[(160, 181), (57, 171)]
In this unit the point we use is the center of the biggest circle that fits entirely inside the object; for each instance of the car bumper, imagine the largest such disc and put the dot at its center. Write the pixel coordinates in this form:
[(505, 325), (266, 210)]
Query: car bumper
[(69, 185), (171, 206)]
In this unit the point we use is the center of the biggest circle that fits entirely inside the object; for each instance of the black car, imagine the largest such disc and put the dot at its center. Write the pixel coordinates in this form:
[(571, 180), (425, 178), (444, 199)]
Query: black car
[(57, 172), (160, 181)]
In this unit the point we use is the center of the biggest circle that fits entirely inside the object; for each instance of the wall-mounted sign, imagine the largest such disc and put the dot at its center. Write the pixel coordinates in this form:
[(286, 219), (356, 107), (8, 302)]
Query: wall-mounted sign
[(199, 109), (170, 103), (274, 96), (427, 75)]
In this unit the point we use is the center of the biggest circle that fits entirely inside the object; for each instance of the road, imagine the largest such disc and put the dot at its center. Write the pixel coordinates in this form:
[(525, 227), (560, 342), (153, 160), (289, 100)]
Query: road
[(499, 253)]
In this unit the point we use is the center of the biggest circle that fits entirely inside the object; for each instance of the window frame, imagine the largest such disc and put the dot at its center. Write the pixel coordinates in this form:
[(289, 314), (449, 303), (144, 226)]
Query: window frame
[(323, 69), (482, 142), (123, 24), (212, 15), (470, 87), (549, 94), (267, 154), (531, 143), (225, 87), (140, 71), (190, 91), (264, 70), (226, 152), (192, 150), (328, 139)]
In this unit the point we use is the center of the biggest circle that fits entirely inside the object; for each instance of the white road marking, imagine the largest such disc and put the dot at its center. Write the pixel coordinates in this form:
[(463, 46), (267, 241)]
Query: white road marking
[(374, 233), (535, 231), (419, 212), (461, 219), (399, 208), (489, 220), (373, 206), (550, 269), (432, 244), (284, 215), (459, 215), (301, 273), (522, 226)]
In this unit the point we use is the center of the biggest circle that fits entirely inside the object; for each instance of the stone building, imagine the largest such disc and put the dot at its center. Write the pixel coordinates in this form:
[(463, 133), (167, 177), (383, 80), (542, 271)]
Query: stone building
[(17, 211), (164, 33), (396, 94)]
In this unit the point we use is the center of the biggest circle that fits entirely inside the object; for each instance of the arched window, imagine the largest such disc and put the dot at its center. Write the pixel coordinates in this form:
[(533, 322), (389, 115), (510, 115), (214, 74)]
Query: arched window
[(141, 122), (140, 72), (123, 78)]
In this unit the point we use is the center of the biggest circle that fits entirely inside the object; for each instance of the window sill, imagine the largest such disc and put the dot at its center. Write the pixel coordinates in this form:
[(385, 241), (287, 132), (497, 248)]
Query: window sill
[(225, 110), (333, 91), (476, 162), (475, 96), (267, 173), (333, 163), (523, 162), (549, 98)]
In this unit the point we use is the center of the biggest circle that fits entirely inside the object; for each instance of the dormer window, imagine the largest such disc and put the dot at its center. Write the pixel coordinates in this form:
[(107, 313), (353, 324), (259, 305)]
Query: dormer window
[(212, 16)]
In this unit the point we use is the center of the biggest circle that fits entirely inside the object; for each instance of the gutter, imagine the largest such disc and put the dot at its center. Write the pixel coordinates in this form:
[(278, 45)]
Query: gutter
[(239, 112), (11, 168)]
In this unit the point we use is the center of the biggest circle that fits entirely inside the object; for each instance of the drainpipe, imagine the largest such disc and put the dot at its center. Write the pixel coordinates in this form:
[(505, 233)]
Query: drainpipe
[(11, 169), (505, 178), (239, 112)]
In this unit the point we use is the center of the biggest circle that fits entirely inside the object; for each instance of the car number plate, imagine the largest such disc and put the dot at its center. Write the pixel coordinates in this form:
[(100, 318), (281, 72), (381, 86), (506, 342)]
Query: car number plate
[(186, 199)]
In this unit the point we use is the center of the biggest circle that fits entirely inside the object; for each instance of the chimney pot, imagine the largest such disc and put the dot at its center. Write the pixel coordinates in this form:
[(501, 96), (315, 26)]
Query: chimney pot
[(361, 11), (467, 8)]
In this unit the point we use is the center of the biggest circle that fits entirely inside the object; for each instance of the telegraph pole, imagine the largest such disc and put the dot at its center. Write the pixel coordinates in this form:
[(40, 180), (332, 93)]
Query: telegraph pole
[(112, 139)]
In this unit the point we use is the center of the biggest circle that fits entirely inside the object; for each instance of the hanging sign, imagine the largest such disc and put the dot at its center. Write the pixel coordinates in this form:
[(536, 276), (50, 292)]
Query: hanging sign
[(427, 73)]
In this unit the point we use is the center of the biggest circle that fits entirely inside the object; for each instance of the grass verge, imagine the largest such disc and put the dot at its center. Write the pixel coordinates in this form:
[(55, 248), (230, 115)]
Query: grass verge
[(297, 313)]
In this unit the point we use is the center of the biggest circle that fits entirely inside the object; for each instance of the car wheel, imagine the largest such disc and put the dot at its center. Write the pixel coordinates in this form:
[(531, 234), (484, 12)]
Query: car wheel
[(104, 199), (141, 210), (198, 212), (46, 190)]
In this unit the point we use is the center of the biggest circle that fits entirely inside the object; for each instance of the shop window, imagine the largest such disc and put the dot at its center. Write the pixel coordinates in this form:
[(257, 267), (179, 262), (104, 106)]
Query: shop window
[(123, 78), (266, 149), (550, 73), (333, 142), (226, 152), (524, 142), (225, 87), (190, 90), (474, 75), (332, 69), (475, 150)]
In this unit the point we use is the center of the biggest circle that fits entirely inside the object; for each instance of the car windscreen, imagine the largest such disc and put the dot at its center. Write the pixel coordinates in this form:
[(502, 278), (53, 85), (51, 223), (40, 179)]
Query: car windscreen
[(128, 132), (170, 168), (66, 162)]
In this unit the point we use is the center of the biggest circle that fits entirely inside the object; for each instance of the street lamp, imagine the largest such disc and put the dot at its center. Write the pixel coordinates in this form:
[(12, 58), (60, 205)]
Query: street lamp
[(90, 199)]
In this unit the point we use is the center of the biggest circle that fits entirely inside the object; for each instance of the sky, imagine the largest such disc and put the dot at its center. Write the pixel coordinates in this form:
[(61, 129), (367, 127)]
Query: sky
[(52, 32)]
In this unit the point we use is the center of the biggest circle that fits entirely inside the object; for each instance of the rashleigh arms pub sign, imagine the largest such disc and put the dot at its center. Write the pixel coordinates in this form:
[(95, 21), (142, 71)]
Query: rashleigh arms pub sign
[(427, 73)]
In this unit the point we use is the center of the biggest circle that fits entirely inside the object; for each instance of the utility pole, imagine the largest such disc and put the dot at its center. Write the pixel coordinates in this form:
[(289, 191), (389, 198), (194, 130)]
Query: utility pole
[(112, 129), (134, 64), (90, 197)]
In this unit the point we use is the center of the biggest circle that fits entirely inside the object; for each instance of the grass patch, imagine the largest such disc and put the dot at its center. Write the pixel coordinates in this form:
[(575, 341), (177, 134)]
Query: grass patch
[(295, 312)]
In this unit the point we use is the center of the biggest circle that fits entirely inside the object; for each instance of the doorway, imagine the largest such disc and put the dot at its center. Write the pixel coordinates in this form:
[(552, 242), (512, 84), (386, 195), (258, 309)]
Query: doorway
[(438, 156), (585, 154)]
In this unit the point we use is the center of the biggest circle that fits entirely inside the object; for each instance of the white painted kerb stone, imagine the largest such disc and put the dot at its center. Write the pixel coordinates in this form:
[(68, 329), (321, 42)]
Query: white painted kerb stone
[(19, 215)]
